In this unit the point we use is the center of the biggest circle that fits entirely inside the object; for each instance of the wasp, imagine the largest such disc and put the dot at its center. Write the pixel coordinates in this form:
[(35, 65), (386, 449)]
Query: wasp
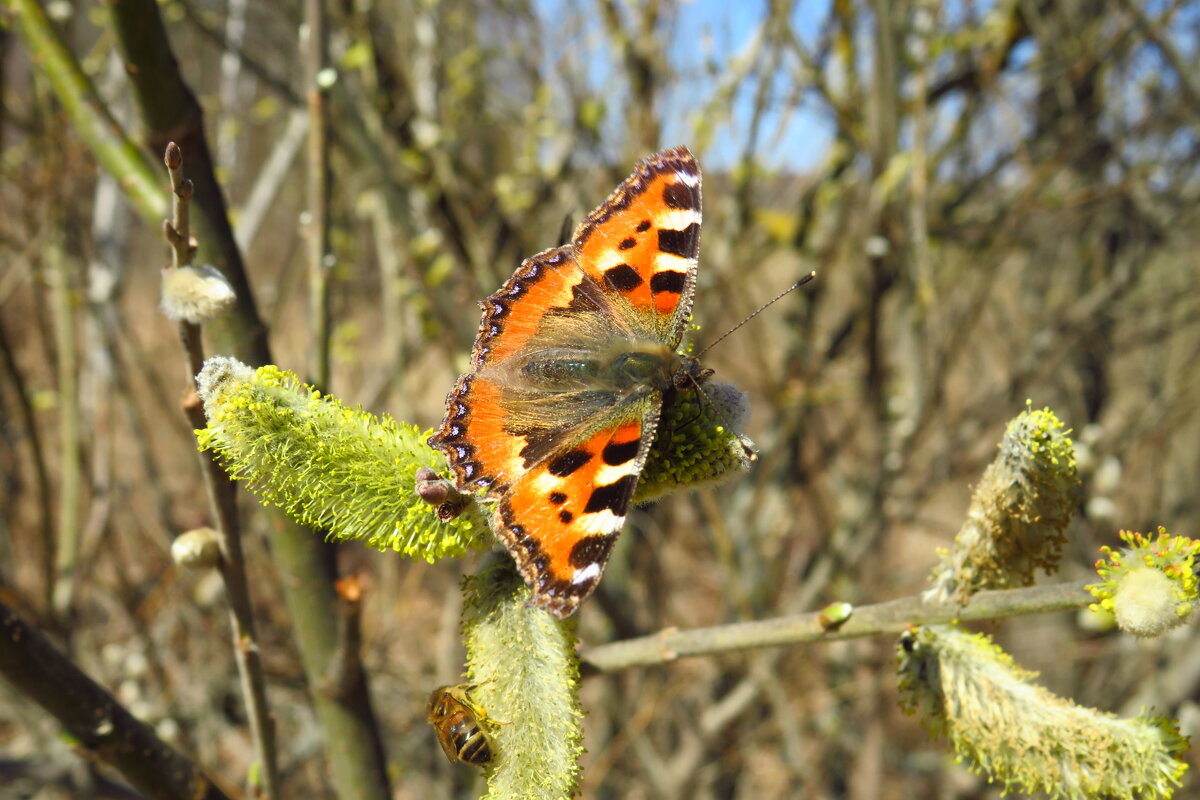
[(459, 723)]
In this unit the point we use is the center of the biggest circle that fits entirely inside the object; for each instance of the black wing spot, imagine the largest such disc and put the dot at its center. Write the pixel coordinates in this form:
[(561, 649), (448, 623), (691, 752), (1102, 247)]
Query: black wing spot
[(558, 498), (566, 517), (622, 277), (617, 453), (592, 550), (669, 281), (684, 243), (680, 195), (568, 462), (627, 243), (614, 497), (643, 226)]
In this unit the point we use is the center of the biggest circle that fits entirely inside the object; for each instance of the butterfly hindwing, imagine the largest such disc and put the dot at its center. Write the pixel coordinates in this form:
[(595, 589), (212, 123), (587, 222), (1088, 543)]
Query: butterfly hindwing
[(561, 521)]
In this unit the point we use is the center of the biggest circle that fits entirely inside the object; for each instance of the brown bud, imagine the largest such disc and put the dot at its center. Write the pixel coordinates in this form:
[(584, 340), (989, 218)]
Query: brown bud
[(451, 508), (173, 156), (431, 488)]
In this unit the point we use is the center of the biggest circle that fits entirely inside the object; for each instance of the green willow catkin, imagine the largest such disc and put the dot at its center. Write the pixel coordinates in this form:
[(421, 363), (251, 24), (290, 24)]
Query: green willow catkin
[(1018, 513), (522, 664), (697, 442), (328, 466), (965, 688)]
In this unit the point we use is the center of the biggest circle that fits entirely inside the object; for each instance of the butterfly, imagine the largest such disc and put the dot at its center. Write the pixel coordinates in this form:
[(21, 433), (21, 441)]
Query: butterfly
[(575, 356)]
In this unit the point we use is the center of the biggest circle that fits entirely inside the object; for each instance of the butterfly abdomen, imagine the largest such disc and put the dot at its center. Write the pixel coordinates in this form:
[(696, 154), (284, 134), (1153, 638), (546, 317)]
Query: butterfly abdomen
[(560, 372)]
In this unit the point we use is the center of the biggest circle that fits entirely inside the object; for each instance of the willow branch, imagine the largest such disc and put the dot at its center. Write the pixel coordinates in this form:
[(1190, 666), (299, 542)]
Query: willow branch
[(320, 262), (890, 618), (99, 726)]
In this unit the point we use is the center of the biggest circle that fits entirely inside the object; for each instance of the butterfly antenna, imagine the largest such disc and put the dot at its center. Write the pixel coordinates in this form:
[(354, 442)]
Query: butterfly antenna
[(761, 309), (564, 233)]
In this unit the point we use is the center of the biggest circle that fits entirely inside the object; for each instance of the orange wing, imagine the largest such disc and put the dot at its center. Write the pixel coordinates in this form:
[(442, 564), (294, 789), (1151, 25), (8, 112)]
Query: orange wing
[(484, 448), (561, 519)]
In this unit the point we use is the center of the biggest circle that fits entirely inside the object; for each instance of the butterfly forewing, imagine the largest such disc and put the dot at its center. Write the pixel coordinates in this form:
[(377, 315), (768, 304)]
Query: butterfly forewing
[(644, 242)]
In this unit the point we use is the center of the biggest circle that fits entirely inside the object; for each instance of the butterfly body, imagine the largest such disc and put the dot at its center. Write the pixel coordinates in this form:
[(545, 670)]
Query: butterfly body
[(575, 356)]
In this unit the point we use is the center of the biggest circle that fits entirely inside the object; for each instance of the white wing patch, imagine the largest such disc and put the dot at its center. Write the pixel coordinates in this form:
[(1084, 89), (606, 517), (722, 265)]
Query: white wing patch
[(590, 572)]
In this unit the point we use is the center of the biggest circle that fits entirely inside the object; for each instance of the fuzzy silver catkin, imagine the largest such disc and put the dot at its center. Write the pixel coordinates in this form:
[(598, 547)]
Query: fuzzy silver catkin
[(523, 665), (965, 688), (195, 294)]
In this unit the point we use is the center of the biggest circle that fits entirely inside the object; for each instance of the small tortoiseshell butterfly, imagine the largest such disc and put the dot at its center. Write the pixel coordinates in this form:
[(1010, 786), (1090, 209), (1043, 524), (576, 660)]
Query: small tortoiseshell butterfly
[(574, 356)]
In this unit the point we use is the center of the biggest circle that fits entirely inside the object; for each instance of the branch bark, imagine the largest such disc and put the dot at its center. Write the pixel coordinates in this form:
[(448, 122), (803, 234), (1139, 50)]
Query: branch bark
[(890, 618), (100, 726)]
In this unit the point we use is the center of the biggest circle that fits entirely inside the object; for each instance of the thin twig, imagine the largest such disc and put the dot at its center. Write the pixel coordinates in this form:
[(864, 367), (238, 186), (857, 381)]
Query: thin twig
[(889, 618), (223, 501), (64, 283), (178, 230), (1155, 33), (320, 262), (270, 180), (41, 481)]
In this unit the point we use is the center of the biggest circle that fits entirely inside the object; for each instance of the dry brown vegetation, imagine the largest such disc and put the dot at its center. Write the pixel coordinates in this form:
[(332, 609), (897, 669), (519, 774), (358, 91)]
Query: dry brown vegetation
[(1007, 210)]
